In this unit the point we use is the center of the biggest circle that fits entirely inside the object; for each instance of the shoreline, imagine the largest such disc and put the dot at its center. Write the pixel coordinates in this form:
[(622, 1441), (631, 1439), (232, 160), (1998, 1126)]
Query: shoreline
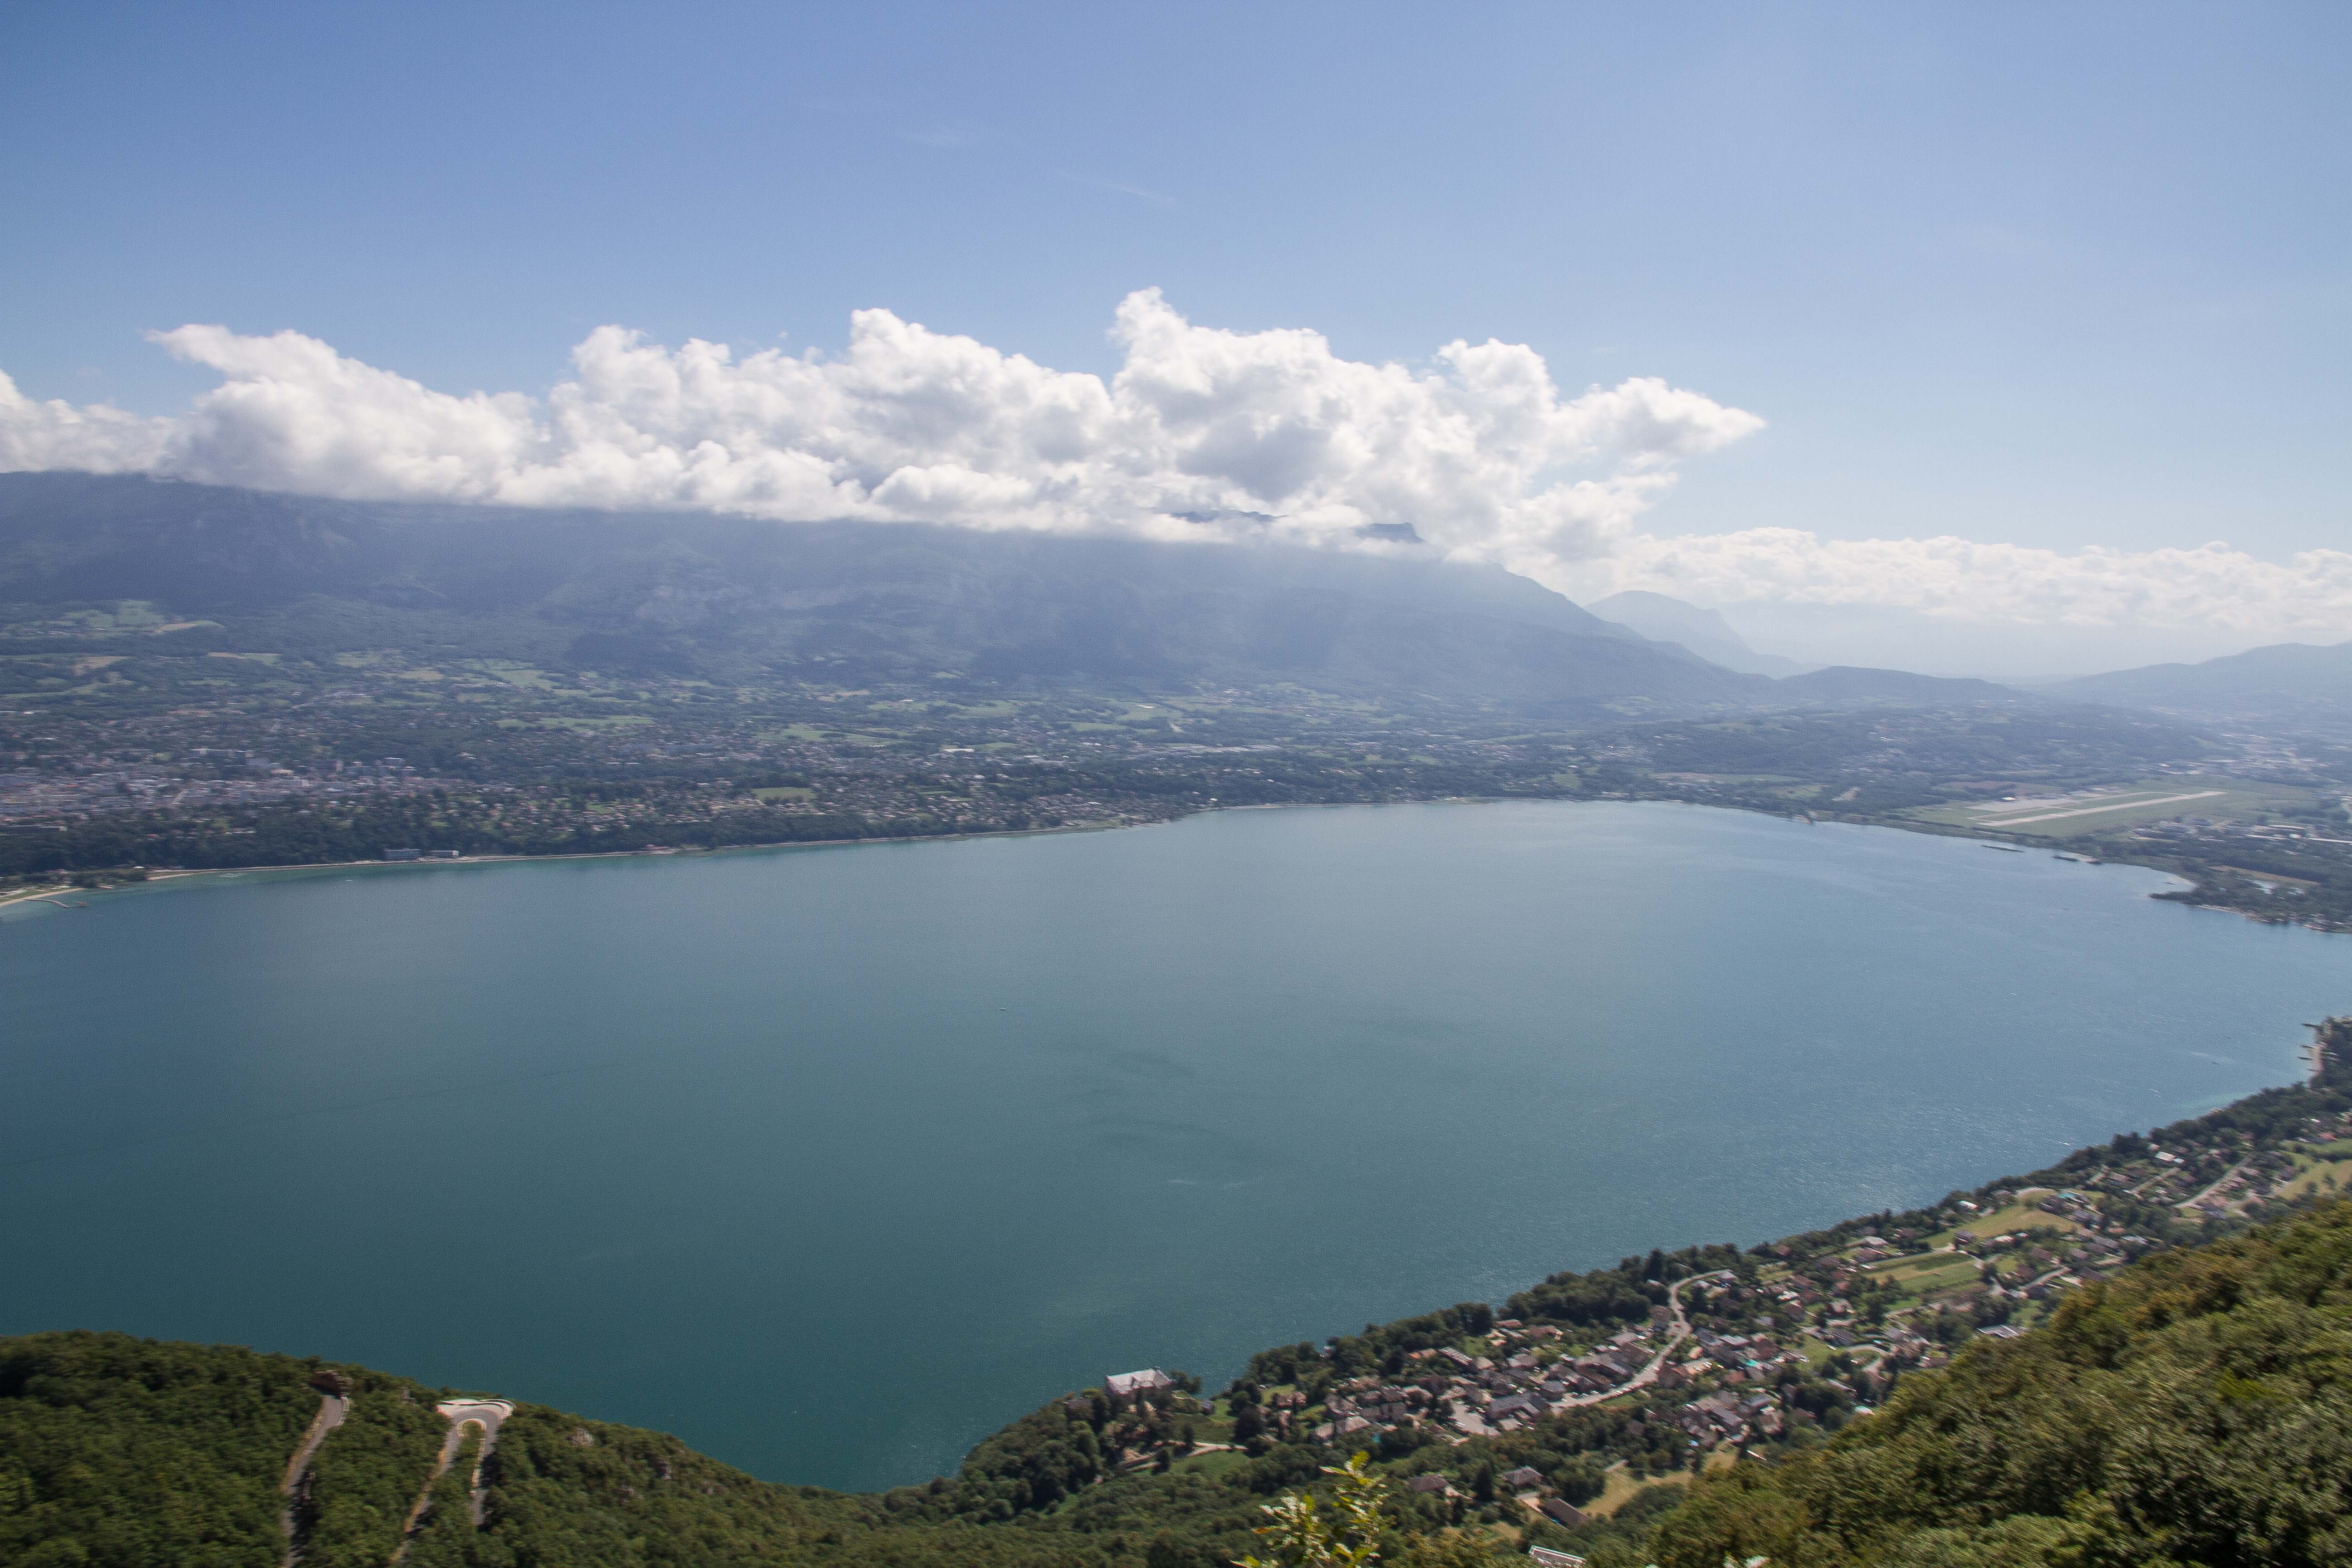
[(1926, 829), (183, 873)]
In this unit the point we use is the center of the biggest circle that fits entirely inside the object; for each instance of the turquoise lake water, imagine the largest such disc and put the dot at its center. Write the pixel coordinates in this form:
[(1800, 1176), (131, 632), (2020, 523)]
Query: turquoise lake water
[(833, 1160)]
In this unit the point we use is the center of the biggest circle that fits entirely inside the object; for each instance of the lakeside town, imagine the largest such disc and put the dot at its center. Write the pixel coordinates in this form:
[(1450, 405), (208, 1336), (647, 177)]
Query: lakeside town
[(132, 764), (1547, 1422)]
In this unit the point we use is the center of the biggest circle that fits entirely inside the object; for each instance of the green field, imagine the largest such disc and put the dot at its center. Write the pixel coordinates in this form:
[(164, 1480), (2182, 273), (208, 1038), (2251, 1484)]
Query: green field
[(2019, 1216), (1620, 1484), (1927, 1276), (595, 726)]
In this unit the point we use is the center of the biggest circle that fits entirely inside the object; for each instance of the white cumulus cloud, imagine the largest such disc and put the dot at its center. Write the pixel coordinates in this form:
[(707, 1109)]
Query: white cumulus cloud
[(2210, 588), (1479, 452), (1263, 434)]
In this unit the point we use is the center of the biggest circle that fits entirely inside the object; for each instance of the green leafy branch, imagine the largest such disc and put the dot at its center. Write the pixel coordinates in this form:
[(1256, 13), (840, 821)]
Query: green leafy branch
[(1304, 1536)]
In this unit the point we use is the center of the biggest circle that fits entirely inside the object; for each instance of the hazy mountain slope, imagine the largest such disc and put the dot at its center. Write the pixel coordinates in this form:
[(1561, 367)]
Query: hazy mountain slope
[(2283, 679), (1703, 632), (729, 597), (1848, 686)]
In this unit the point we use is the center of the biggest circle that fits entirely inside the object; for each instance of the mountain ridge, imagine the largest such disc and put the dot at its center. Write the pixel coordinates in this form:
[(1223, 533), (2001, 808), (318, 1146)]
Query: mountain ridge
[(734, 600), (2282, 679), (1703, 632), (719, 596)]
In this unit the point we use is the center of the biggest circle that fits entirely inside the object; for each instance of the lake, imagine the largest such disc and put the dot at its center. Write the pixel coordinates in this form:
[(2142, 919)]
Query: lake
[(832, 1161)]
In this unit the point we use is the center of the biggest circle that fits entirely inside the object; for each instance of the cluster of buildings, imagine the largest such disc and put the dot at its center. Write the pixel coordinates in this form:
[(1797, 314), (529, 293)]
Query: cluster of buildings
[(1726, 1417), (2033, 1262), (203, 779), (1528, 1376), (1826, 1324), (1532, 1374)]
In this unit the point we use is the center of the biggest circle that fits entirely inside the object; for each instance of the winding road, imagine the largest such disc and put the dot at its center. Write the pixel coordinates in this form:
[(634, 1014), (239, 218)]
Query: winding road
[(1465, 1418), (1649, 1374), (2215, 1186), (333, 1409), (460, 1414)]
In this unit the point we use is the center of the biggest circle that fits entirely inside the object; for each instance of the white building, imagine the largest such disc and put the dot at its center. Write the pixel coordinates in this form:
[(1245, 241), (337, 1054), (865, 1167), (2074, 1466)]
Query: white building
[(1126, 1384)]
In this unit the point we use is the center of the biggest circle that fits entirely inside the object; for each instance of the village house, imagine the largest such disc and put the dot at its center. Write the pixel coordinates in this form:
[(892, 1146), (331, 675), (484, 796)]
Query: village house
[(1516, 1407), (1128, 1385), (1340, 1430)]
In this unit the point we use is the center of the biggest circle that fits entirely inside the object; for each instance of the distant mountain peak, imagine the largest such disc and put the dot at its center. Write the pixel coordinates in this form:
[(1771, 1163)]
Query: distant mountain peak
[(1662, 618)]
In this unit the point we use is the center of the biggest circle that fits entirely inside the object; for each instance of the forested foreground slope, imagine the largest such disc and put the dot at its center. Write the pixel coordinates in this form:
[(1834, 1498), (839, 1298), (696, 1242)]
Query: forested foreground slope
[(2190, 1408)]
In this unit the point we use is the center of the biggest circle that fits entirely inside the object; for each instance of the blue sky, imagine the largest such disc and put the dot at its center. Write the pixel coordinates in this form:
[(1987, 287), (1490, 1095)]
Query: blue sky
[(2051, 276)]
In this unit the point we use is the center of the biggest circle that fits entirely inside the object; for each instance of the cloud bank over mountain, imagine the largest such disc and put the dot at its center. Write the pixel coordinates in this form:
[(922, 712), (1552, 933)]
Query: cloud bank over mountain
[(2212, 588), (1480, 454), (1201, 433)]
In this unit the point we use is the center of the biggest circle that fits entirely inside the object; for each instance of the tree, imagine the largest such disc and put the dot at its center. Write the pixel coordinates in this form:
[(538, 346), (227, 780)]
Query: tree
[(1579, 1480), (1166, 1551), (1302, 1535)]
